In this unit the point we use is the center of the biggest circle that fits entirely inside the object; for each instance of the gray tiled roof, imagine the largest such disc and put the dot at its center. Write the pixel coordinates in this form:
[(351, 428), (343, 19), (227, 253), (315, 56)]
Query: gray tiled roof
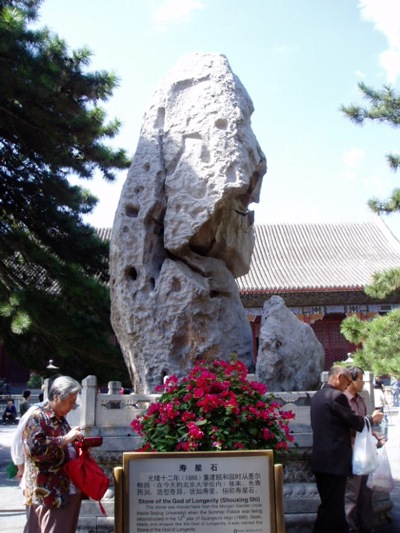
[(311, 257), (104, 234), (23, 275)]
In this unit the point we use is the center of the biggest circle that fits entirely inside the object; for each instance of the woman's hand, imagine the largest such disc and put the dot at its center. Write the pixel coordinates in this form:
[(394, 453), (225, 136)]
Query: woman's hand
[(73, 435), (20, 471)]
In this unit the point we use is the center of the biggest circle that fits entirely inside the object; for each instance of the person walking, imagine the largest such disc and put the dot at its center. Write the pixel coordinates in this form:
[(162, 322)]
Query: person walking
[(358, 497), (24, 405), (396, 391), (331, 421), (379, 395)]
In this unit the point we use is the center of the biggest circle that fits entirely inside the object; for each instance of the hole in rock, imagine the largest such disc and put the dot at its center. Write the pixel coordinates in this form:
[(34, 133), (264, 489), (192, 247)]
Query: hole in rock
[(131, 273), (131, 211), (221, 124), (215, 294)]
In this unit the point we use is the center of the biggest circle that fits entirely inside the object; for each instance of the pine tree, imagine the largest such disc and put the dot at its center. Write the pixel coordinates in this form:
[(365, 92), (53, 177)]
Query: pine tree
[(380, 338), (384, 107), (54, 300)]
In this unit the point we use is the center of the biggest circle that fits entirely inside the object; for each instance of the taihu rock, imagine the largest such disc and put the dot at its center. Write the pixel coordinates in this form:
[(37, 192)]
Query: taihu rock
[(182, 231), (290, 357)]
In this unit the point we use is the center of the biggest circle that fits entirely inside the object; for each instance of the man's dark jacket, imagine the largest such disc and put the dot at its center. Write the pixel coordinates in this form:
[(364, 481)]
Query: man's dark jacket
[(331, 421)]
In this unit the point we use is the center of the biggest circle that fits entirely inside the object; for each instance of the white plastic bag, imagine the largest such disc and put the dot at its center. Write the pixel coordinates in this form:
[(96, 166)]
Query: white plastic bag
[(381, 480), (365, 454)]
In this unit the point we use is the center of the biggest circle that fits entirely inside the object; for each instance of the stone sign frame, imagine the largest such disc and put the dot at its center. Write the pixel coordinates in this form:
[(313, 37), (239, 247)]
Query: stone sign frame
[(241, 491)]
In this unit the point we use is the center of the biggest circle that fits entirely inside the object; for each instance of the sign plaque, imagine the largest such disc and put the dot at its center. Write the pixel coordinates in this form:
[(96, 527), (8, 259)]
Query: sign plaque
[(198, 492)]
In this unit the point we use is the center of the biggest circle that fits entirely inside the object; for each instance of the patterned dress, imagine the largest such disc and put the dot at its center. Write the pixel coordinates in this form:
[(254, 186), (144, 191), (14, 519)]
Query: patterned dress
[(46, 482)]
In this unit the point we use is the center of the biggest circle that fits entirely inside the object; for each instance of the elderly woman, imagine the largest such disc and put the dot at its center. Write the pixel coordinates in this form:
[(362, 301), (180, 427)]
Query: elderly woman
[(53, 502)]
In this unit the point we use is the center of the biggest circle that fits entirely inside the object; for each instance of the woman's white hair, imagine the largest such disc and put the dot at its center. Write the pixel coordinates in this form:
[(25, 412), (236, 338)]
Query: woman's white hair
[(63, 387)]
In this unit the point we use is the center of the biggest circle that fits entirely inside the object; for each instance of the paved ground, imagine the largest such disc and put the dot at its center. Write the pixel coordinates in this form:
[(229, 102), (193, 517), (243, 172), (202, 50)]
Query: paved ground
[(12, 512), (393, 450)]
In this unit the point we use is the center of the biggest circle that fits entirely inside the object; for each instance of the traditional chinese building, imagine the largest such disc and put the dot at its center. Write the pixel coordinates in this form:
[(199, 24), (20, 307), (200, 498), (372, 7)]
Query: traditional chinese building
[(320, 270)]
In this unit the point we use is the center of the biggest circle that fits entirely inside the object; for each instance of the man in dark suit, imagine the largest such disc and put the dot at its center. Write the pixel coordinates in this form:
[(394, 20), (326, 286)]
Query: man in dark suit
[(331, 422)]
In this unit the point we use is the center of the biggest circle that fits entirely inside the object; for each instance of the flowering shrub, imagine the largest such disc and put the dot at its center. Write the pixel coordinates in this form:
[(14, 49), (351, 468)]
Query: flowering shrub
[(214, 408)]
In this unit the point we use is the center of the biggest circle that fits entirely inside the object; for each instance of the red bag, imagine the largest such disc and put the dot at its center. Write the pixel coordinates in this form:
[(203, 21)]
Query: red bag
[(87, 476)]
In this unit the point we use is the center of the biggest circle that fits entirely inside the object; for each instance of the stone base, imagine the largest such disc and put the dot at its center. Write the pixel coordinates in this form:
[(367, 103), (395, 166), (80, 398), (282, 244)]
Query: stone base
[(96, 524), (301, 499), (92, 521)]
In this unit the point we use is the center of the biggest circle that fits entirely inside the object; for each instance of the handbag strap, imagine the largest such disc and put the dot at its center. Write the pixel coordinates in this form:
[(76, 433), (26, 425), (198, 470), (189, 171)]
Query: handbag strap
[(367, 422)]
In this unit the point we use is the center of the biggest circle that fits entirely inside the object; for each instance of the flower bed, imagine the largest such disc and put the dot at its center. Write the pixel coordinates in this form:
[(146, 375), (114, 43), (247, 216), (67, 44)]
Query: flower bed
[(214, 408)]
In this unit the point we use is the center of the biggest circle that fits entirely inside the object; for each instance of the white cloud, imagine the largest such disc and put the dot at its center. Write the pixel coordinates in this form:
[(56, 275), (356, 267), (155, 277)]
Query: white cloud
[(384, 14), (390, 61), (353, 157), (175, 11)]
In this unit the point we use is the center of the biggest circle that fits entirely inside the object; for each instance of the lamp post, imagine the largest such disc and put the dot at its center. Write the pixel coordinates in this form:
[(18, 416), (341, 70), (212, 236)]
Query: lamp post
[(349, 359), (51, 365), (51, 369)]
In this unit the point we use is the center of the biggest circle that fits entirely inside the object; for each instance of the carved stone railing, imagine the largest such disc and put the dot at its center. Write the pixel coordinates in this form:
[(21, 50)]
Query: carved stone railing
[(110, 415)]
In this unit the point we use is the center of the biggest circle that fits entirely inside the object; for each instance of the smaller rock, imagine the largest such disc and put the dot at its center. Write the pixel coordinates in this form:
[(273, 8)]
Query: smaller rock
[(290, 357)]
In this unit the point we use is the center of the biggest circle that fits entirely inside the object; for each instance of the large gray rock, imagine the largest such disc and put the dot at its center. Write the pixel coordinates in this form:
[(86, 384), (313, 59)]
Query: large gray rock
[(182, 231), (290, 357)]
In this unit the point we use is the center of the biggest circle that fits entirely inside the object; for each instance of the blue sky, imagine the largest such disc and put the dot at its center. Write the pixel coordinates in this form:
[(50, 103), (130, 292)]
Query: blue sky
[(299, 61)]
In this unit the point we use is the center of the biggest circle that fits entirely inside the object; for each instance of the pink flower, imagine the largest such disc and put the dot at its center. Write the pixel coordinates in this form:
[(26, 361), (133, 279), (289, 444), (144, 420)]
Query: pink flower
[(146, 448), (153, 408), (287, 415), (182, 446), (261, 388), (168, 412), (136, 425), (171, 383), (194, 431), (198, 392), (267, 434), (209, 402), (187, 416)]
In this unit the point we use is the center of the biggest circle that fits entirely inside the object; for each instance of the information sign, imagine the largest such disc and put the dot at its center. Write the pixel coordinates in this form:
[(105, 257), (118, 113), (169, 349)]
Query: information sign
[(198, 492)]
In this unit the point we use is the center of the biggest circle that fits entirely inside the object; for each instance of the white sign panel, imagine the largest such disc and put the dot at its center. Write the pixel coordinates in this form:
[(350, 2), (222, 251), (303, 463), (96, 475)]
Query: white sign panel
[(224, 492)]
